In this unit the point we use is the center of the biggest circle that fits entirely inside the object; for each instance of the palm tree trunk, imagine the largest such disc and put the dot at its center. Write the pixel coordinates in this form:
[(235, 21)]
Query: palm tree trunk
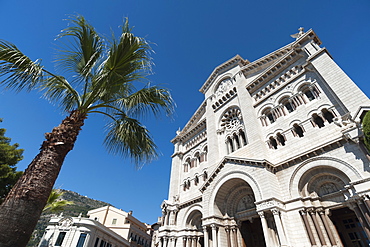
[(23, 206)]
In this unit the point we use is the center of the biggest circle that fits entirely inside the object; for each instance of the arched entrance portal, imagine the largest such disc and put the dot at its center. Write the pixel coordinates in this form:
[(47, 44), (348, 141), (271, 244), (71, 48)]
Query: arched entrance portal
[(235, 201), (338, 219), (194, 229)]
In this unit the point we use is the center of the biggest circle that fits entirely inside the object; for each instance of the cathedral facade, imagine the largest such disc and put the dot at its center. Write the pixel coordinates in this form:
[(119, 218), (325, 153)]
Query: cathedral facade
[(273, 156)]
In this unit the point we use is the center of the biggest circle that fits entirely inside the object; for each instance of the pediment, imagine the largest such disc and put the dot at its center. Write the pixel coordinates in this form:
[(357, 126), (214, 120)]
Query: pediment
[(236, 161), (235, 61)]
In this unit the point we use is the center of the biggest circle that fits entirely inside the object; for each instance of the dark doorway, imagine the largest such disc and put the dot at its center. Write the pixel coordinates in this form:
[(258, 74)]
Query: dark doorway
[(349, 228), (252, 233)]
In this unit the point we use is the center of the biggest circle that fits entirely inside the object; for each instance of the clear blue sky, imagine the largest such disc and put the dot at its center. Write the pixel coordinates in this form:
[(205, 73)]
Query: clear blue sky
[(191, 38)]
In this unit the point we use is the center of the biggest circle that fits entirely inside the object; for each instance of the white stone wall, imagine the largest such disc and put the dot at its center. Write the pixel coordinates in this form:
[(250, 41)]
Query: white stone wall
[(276, 176)]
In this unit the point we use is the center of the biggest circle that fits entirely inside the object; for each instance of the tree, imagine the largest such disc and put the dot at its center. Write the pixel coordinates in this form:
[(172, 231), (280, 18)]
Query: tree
[(10, 155), (100, 79), (366, 130), (55, 203)]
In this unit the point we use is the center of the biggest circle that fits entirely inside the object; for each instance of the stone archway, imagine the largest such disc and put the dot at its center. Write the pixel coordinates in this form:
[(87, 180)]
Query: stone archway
[(336, 217), (235, 201), (194, 229)]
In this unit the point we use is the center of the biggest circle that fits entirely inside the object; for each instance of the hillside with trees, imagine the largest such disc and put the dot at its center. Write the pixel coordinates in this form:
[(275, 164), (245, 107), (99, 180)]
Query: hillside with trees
[(81, 205)]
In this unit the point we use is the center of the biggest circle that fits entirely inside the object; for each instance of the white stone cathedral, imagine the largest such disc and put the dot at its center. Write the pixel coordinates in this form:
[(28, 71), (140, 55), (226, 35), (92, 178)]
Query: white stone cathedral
[(273, 156)]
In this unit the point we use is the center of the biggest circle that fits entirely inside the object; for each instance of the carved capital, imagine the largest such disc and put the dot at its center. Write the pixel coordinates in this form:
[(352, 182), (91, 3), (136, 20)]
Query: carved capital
[(261, 214), (275, 211), (303, 212)]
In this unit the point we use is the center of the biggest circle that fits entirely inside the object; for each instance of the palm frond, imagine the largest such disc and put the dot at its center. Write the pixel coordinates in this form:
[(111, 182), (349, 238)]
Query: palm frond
[(55, 203), (148, 100), (127, 137), (18, 70), (57, 89), (82, 55), (128, 60)]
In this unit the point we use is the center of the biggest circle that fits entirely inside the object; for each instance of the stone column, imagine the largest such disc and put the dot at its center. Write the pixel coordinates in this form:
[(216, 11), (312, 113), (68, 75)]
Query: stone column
[(184, 241), (165, 243), (364, 211), (167, 218), (227, 229), (214, 235), (161, 242), (265, 228), (360, 218), (327, 227), (206, 238), (189, 242), (279, 226), (172, 242), (317, 227), (322, 226), (234, 236), (308, 227)]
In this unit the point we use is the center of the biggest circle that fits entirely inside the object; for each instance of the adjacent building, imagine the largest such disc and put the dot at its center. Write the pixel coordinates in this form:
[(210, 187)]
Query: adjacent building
[(105, 227), (273, 156)]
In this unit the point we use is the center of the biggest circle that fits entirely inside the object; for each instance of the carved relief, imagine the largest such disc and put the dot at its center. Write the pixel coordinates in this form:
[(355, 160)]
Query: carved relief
[(223, 87)]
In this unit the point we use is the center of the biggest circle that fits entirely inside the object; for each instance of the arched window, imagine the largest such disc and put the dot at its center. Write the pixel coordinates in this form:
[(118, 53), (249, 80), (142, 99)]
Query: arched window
[(185, 167), (273, 143), (297, 130), (318, 120), (236, 138), (230, 145), (187, 164), (328, 115), (205, 153), (205, 175), (281, 139), (243, 138), (197, 159), (288, 104), (269, 115), (310, 91), (196, 180)]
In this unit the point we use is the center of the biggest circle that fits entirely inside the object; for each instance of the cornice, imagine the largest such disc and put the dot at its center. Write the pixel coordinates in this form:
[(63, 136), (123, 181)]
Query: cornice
[(191, 202), (237, 60), (269, 58), (274, 69), (190, 125)]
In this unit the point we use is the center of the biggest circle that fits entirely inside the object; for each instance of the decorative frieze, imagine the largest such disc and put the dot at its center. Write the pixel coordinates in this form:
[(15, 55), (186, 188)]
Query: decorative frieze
[(269, 204)]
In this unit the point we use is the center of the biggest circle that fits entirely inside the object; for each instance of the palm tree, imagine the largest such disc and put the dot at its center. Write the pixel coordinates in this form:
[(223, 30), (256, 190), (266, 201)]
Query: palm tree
[(101, 81)]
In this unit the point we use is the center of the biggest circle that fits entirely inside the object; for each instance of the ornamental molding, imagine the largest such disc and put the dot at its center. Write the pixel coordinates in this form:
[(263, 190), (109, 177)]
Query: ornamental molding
[(276, 68), (270, 204)]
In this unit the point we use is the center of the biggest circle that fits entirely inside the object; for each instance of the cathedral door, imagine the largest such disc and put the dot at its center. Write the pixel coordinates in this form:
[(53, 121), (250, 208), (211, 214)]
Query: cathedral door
[(349, 228), (252, 233)]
